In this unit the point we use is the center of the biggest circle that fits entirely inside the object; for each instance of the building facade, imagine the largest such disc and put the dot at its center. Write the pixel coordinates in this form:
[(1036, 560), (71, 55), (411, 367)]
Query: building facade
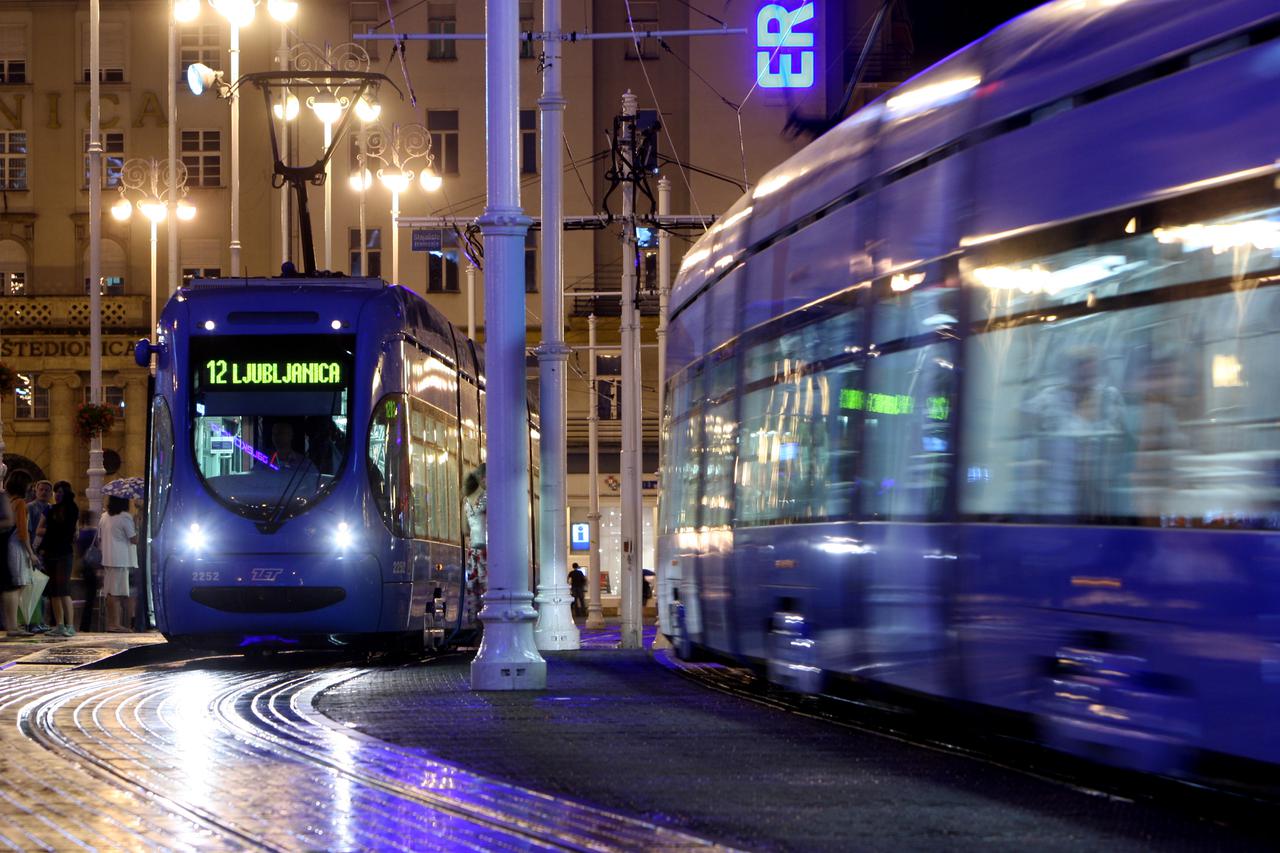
[(722, 117)]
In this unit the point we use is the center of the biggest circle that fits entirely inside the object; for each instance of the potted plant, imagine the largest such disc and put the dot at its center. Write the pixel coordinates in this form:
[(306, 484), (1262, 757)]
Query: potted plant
[(93, 420), (8, 378)]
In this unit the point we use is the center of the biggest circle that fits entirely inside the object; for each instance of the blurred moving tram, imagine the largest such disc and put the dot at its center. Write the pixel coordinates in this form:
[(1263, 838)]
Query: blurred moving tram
[(975, 397)]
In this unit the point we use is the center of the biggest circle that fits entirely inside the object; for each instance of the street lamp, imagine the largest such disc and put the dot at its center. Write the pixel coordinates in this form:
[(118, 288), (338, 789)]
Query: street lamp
[(239, 13), (367, 111), (398, 150), (154, 185)]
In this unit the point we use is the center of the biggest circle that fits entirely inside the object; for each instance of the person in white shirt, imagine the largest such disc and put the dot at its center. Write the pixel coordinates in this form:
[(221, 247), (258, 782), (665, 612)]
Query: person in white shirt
[(118, 539)]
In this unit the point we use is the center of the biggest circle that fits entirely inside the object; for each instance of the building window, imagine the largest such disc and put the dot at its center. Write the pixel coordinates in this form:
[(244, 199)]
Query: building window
[(31, 402), (13, 268), (189, 273), (373, 250), (442, 265), (15, 283), (112, 271), (112, 285), (528, 49), (609, 399), (644, 16), (13, 159), (200, 43), (364, 20), (530, 262), (112, 395), (443, 125), (112, 49), (442, 19), (112, 158), (529, 142), (202, 155), (13, 54)]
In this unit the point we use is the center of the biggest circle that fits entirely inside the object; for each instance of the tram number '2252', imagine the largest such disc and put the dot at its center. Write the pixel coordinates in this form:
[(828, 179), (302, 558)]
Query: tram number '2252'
[(205, 577), (219, 371)]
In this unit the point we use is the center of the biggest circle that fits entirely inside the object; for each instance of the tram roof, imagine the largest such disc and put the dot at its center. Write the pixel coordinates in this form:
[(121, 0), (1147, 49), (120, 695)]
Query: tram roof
[(1039, 59)]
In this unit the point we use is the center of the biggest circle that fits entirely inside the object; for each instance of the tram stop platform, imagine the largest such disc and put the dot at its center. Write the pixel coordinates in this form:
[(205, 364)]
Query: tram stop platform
[(677, 747)]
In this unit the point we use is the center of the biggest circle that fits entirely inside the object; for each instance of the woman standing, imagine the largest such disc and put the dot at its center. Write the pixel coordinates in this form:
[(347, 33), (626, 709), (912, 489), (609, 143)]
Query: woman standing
[(57, 535), (17, 545), (118, 539)]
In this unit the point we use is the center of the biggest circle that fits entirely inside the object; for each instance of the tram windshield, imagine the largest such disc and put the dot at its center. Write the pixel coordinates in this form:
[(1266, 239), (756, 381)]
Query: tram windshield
[(270, 419)]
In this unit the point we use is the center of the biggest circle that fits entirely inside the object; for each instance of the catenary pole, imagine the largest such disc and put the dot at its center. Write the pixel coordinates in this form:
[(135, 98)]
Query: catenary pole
[(286, 242), (471, 299), (632, 496), (171, 199), (664, 291), (595, 613), (555, 629), (235, 150), (96, 471), (508, 657)]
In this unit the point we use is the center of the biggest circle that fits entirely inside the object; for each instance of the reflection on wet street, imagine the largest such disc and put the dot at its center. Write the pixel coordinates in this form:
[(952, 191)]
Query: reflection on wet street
[(229, 754)]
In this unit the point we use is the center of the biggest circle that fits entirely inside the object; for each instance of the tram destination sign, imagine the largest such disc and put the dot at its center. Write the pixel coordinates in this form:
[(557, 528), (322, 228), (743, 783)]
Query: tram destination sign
[(284, 374)]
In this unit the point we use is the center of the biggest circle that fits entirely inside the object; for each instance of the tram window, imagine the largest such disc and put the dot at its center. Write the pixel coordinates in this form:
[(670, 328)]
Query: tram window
[(916, 310), (1157, 415), (824, 338), (720, 443), (389, 463), (270, 422), (907, 427), (161, 463)]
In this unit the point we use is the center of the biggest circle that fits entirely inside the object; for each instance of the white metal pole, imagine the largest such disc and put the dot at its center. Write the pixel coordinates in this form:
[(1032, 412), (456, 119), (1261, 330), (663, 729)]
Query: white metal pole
[(328, 204), (286, 241), (395, 236), (172, 188), (595, 613), (235, 152), (508, 657), (96, 471), (664, 290), (471, 300), (152, 334), (362, 168), (556, 628), (632, 626)]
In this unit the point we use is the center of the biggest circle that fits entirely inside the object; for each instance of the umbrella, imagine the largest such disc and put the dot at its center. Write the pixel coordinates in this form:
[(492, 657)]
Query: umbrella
[(125, 487)]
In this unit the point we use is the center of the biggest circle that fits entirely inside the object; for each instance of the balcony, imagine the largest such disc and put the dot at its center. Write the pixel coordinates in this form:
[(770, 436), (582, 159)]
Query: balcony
[(67, 313)]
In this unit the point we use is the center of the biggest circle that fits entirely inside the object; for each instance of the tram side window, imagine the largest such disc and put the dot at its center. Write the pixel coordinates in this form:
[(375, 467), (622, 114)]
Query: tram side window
[(161, 463), (720, 442), (683, 463), (906, 415), (389, 463), (1161, 414), (434, 475)]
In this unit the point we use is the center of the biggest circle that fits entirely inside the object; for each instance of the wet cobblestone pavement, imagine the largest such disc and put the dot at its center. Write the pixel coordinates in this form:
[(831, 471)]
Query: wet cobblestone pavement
[(306, 752)]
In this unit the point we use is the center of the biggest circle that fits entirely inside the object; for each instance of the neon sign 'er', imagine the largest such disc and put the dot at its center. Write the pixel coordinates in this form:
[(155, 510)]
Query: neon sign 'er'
[(785, 52)]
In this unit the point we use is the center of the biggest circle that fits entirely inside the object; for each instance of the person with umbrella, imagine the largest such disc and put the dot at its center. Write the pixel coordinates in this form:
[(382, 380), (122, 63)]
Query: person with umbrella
[(118, 540)]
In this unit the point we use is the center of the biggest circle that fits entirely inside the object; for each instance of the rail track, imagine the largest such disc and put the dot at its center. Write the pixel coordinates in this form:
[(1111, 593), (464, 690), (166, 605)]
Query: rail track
[(228, 754)]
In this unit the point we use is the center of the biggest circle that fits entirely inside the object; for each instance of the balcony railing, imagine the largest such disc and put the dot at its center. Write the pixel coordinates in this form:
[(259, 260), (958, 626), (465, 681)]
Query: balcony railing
[(71, 312)]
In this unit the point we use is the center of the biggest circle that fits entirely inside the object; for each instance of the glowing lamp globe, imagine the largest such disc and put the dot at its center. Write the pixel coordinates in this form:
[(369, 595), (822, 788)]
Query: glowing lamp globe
[(121, 210), (395, 180), (430, 181)]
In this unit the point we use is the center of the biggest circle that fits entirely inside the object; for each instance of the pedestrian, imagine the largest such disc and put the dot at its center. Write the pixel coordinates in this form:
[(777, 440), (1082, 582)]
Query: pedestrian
[(118, 539), (90, 561), (476, 491), (39, 497), (19, 556), (13, 579), (57, 536), (578, 586)]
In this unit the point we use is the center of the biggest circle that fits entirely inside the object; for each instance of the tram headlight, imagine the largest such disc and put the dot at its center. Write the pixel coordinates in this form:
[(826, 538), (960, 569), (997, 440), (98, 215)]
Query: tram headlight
[(344, 537), (195, 538)]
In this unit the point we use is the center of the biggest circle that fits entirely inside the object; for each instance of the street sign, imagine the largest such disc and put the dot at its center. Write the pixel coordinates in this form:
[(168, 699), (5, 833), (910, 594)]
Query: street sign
[(580, 537), (426, 240)]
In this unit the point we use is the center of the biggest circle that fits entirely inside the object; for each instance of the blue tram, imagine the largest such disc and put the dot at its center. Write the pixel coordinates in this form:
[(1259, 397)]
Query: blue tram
[(309, 443), (975, 397)]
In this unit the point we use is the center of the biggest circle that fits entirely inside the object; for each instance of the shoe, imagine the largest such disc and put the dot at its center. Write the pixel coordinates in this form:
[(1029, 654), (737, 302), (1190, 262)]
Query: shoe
[(68, 631), (57, 631), (21, 632), (119, 631), (38, 629)]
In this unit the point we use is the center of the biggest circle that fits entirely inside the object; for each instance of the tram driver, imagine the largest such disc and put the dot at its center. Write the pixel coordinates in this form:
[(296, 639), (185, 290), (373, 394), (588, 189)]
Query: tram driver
[(285, 455)]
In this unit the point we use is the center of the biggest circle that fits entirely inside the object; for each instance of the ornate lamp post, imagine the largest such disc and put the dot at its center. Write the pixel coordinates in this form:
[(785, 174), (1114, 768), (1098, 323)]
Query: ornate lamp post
[(156, 188), (399, 150)]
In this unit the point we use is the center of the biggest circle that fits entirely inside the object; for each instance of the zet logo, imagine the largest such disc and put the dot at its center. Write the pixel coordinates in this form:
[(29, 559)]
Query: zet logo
[(265, 575), (785, 53)]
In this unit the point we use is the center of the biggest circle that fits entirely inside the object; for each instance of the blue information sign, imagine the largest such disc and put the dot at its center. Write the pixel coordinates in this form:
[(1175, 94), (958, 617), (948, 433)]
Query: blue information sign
[(426, 240), (579, 537)]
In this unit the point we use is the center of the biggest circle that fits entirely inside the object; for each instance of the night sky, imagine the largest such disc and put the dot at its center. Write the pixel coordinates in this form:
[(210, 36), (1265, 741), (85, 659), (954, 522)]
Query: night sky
[(940, 27)]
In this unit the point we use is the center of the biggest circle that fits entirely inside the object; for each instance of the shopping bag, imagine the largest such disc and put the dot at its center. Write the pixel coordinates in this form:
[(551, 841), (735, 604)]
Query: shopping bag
[(30, 599)]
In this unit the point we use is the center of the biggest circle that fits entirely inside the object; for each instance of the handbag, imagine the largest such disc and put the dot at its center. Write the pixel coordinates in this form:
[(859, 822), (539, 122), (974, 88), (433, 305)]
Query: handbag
[(93, 554), (19, 562)]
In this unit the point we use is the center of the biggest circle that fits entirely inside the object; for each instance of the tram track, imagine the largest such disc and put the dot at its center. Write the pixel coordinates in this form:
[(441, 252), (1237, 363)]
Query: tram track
[(201, 759), (959, 736)]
